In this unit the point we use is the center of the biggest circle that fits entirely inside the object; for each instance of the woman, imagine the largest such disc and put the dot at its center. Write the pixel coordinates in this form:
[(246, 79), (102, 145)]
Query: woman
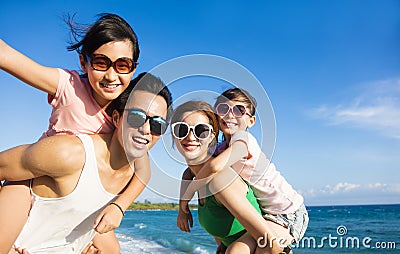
[(228, 214)]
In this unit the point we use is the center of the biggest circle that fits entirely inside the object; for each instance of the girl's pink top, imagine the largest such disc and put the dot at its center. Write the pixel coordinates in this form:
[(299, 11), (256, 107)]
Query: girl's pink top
[(75, 111)]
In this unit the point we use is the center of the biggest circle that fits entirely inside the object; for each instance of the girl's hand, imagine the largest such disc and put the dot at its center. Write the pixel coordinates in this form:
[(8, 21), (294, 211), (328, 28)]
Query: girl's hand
[(109, 219), (184, 220), (90, 249), (20, 251)]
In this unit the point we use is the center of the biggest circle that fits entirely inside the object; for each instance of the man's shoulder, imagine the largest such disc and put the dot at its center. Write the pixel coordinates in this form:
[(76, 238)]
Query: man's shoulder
[(56, 155), (62, 146)]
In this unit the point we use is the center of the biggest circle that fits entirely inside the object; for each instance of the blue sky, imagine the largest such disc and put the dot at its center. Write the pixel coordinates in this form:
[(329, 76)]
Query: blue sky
[(331, 70)]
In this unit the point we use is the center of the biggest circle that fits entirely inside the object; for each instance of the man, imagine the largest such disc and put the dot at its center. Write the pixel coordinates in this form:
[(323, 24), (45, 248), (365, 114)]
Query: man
[(75, 177)]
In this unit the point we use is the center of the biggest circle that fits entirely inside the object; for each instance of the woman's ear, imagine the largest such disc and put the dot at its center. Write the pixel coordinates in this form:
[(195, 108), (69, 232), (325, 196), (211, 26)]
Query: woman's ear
[(82, 60), (214, 140), (213, 144), (116, 116)]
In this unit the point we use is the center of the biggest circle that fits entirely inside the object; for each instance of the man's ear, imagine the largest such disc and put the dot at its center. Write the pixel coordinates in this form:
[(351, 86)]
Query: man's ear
[(251, 121), (115, 117), (82, 60)]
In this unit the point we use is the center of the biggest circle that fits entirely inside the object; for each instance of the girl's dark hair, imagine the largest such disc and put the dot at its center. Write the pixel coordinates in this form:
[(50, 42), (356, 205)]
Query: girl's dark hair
[(238, 94), (143, 82), (108, 27), (196, 106)]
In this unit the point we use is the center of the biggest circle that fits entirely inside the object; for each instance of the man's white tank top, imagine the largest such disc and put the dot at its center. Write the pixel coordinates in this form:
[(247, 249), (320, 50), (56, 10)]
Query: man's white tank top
[(65, 225)]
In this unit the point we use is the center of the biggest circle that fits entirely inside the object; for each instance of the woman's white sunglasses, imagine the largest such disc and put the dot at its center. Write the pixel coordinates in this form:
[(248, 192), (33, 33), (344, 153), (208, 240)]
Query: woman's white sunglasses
[(181, 130)]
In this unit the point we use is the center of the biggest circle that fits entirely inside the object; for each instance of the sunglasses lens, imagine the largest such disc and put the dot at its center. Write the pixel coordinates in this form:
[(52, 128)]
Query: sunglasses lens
[(202, 131), (136, 118), (222, 109), (180, 130), (124, 65), (100, 63), (239, 110), (158, 125)]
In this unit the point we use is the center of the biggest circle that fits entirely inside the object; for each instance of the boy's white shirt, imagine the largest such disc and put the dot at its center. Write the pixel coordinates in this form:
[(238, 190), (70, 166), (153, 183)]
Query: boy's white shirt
[(235, 152)]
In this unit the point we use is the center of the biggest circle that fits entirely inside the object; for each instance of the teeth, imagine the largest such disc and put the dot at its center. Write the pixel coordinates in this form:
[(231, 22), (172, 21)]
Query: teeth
[(231, 124), (109, 86), (141, 140), (190, 147)]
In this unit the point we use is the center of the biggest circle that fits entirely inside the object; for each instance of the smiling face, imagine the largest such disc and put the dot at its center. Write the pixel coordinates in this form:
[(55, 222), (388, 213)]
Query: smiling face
[(230, 124), (193, 149), (107, 85), (137, 141)]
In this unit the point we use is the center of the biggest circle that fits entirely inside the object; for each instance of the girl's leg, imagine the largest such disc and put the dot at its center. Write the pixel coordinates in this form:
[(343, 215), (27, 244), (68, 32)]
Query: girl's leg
[(15, 203)]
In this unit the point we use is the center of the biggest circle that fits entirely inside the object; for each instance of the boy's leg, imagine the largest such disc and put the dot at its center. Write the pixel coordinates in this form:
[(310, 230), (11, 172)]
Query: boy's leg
[(278, 238), (15, 203), (245, 244), (107, 243)]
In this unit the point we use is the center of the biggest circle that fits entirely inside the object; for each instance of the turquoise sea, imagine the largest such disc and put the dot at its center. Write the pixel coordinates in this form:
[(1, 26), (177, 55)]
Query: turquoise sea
[(332, 229)]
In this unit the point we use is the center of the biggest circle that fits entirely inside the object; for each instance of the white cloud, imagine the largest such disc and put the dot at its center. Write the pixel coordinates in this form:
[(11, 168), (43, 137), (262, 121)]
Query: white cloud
[(344, 192), (376, 108), (344, 187)]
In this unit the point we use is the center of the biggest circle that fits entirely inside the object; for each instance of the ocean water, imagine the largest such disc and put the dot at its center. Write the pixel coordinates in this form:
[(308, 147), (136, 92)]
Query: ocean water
[(332, 229)]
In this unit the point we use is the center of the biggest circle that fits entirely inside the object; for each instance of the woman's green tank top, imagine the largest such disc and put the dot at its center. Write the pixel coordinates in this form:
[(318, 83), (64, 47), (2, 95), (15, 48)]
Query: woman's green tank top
[(219, 222)]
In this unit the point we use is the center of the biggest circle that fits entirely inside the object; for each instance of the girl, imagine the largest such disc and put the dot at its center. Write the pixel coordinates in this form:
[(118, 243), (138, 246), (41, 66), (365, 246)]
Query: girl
[(108, 55), (282, 207)]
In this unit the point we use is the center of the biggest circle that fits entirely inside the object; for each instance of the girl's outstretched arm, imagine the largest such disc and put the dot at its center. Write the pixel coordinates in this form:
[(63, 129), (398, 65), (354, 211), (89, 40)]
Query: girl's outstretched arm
[(27, 70)]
